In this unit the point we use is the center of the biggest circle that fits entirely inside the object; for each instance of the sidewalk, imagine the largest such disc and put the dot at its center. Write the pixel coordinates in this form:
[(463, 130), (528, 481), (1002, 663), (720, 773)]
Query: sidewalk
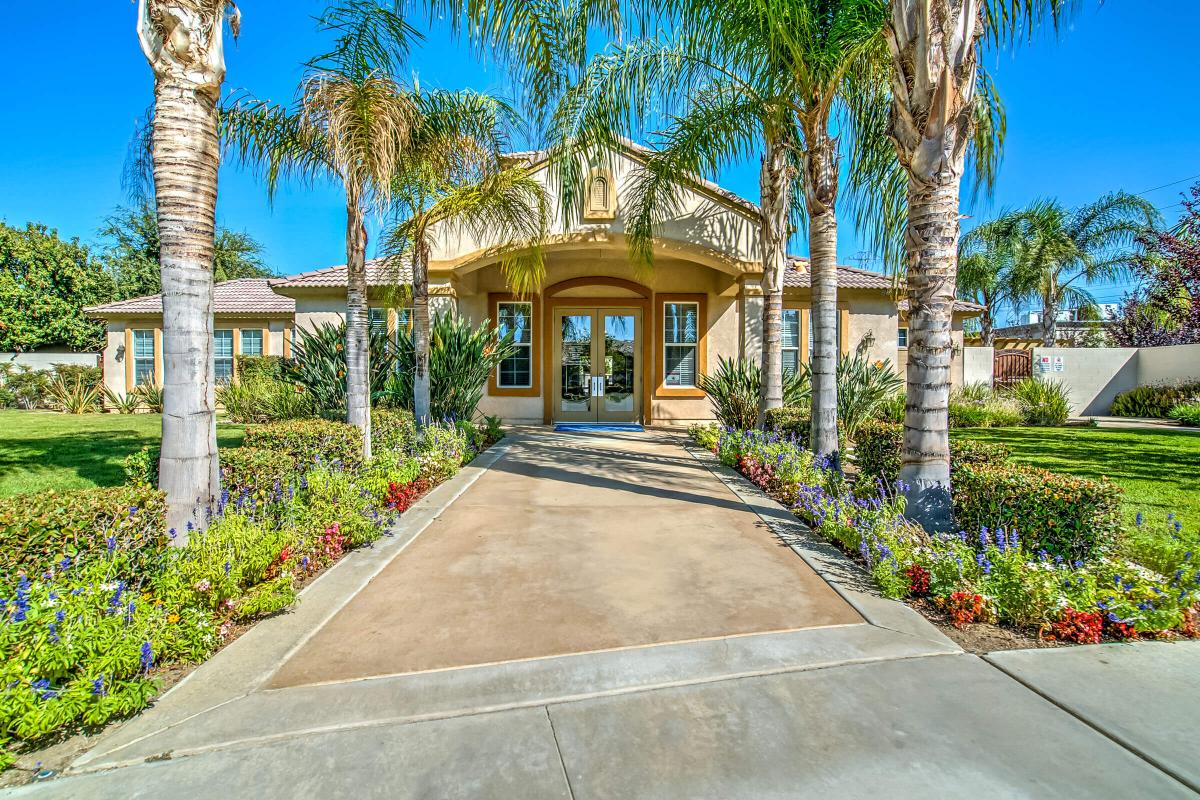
[(691, 642)]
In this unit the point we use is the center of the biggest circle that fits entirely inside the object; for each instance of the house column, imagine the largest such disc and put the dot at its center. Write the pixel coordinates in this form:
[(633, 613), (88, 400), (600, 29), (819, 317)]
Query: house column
[(750, 303)]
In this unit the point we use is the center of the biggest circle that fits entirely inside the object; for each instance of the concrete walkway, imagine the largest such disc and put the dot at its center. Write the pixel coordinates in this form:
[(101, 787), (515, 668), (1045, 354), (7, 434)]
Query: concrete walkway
[(585, 617)]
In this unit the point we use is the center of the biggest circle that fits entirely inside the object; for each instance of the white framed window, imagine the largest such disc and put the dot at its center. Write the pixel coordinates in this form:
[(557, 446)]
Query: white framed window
[(223, 355), (901, 337), (791, 341), (377, 320), (681, 340), (143, 357), (252, 341), (516, 371)]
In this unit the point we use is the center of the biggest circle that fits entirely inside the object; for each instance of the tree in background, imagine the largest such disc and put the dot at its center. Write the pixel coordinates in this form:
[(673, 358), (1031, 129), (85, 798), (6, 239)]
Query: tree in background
[(1166, 310), (183, 40), (133, 251), (987, 274), (1057, 252), (352, 123), (45, 283)]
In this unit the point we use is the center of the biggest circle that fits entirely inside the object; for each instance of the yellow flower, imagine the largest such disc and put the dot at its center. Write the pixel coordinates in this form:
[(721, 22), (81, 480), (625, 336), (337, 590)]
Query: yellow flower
[(172, 618)]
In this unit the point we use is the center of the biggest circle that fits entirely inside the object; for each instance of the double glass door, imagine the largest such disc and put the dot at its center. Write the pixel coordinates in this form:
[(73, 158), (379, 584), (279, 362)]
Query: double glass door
[(597, 356)]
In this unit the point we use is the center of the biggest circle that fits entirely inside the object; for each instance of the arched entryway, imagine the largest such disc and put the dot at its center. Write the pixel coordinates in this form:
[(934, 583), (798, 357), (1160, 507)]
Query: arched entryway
[(596, 365)]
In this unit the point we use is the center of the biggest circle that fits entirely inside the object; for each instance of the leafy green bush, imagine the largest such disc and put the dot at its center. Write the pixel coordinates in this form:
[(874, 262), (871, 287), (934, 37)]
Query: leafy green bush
[(151, 396), (892, 408), (81, 373), (318, 365), (265, 367), (388, 467), (441, 451), (879, 444), (796, 424), (27, 385), (309, 441), (1162, 545), (1187, 413), (734, 391), (461, 357), (37, 531), (1043, 403), (262, 399), (392, 430), (127, 403), (1065, 515), (1154, 401), (141, 466), (332, 500), (257, 472)]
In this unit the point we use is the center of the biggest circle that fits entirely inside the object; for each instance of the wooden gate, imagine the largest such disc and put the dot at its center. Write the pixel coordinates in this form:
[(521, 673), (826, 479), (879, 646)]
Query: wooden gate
[(1011, 366)]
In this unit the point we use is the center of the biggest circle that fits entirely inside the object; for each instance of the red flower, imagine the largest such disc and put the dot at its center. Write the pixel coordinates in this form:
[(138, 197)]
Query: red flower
[(918, 580), (1081, 627), (963, 608)]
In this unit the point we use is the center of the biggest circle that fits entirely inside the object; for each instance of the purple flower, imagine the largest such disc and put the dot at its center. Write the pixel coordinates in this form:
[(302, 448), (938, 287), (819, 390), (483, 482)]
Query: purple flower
[(147, 656), (98, 687), (111, 542), (66, 562), (1139, 519), (53, 629), (60, 615), (982, 560)]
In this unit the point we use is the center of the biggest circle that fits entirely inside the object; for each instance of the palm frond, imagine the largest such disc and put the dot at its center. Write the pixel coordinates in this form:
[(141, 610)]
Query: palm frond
[(274, 141)]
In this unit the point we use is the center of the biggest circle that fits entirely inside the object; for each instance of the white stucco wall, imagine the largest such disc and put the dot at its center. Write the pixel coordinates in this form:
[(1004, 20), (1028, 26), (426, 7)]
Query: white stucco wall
[(1168, 364), (1092, 375), (978, 363), (47, 359)]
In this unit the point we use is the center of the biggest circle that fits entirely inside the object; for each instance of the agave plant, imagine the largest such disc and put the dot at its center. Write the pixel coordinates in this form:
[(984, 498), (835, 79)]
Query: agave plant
[(73, 395), (461, 358), (734, 390), (127, 403), (151, 396), (318, 365), (863, 386)]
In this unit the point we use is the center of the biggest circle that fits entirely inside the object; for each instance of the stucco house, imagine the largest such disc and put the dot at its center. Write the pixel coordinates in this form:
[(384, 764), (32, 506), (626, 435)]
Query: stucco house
[(602, 341)]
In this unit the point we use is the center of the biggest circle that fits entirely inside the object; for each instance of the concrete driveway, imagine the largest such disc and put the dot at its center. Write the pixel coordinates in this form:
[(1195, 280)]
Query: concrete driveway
[(586, 616)]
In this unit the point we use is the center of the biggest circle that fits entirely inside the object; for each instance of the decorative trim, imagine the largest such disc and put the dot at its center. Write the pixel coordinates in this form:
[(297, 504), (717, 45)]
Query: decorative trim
[(158, 357), (620, 283), (288, 332), (128, 359), (607, 211), (701, 300), (535, 350)]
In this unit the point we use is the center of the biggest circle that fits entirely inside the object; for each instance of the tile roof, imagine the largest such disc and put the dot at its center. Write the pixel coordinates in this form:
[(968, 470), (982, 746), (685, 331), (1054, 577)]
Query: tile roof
[(797, 276), (243, 296), (378, 274), (959, 305)]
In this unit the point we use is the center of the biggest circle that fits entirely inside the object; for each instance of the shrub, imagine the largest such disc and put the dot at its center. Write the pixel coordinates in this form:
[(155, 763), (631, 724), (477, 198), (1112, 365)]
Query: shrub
[(441, 451), (461, 357), (260, 473), (734, 391), (263, 399), (82, 373), (879, 444), (705, 435), (254, 367), (1153, 401), (386, 469), (73, 395), (37, 531), (127, 403), (1043, 403), (1161, 545), (318, 365), (309, 441), (332, 501), (28, 386), (393, 430), (1065, 515), (151, 396), (892, 408), (1187, 413), (863, 386), (141, 466), (994, 412), (795, 424)]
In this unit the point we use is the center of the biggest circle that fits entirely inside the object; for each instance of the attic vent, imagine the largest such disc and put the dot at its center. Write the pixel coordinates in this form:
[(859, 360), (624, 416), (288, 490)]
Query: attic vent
[(600, 194)]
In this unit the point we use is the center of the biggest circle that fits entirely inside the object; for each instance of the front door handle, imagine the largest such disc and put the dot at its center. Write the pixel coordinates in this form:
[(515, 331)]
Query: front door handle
[(598, 385)]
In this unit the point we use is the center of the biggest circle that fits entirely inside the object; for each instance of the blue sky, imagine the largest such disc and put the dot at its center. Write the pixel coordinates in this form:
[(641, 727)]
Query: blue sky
[(1106, 106)]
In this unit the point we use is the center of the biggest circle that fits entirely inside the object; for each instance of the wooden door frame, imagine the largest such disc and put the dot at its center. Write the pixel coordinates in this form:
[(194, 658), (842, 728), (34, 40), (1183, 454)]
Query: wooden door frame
[(550, 302)]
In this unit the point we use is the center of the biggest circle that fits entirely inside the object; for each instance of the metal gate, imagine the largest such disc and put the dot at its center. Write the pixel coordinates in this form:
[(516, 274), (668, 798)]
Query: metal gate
[(1011, 366)]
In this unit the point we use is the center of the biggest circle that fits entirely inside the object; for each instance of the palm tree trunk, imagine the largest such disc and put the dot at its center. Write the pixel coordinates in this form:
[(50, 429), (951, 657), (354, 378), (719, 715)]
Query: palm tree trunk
[(358, 331), (1049, 322), (820, 191), (421, 398), (987, 330), (773, 188), (186, 153), (932, 248)]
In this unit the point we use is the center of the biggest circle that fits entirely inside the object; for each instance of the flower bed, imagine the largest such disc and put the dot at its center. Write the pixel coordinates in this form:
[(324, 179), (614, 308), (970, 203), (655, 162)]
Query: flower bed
[(100, 605), (1143, 582)]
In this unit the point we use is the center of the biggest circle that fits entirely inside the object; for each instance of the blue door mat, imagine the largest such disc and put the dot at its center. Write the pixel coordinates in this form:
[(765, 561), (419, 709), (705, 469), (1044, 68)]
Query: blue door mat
[(596, 427)]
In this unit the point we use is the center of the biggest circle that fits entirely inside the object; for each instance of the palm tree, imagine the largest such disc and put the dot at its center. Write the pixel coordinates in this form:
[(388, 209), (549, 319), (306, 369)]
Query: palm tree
[(184, 42), (1063, 250), (934, 111), (455, 177), (987, 272), (750, 76), (352, 122)]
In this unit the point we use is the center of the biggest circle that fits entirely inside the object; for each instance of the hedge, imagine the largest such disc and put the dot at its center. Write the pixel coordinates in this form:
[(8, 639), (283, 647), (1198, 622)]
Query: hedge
[(1153, 401), (393, 430), (1065, 515), (38, 530), (309, 441), (796, 423), (877, 448)]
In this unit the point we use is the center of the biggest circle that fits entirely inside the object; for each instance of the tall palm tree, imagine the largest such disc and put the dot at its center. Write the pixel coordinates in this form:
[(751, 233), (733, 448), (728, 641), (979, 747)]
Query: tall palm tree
[(934, 46), (987, 273), (184, 42), (352, 122), (749, 76), (1062, 250), (454, 177)]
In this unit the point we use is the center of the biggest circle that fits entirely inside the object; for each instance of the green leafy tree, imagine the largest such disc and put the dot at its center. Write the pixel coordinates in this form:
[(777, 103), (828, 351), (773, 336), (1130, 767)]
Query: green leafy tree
[(134, 249), (45, 283)]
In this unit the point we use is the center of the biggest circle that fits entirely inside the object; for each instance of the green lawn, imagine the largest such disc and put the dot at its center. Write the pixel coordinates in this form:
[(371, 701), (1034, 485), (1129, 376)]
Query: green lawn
[(42, 450), (1159, 470)]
